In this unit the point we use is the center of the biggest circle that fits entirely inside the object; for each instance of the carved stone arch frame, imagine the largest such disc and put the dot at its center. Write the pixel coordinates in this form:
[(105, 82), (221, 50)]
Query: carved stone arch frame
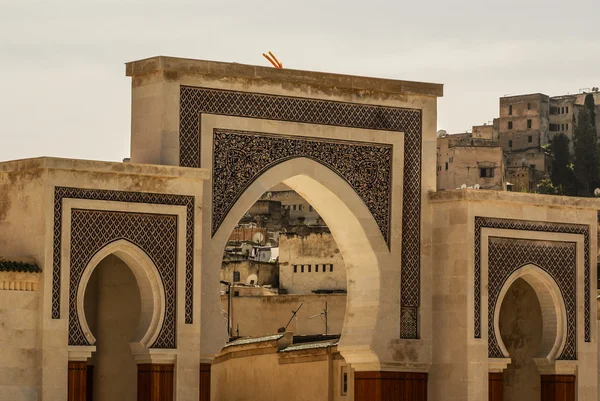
[(322, 187), (178, 212), (203, 109), (575, 298), (554, 314), (149, 282)]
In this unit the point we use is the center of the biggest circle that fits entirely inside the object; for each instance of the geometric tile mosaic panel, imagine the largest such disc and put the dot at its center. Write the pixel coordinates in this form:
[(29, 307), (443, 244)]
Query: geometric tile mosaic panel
[(194, 102), (558, 259), (241, 157), (155, 234), (529, 225), (61, 193)]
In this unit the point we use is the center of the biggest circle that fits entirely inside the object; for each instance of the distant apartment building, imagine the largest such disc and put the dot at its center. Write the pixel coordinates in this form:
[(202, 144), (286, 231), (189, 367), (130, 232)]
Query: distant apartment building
[(522, 133), (471, 159), (299, 211)]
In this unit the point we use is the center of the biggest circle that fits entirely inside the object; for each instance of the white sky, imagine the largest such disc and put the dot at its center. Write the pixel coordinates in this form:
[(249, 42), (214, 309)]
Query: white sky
[(63, 90)]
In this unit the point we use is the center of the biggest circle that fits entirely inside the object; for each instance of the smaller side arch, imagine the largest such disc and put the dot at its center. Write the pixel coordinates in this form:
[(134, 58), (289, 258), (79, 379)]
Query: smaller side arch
[(554, 315), (149, 283)]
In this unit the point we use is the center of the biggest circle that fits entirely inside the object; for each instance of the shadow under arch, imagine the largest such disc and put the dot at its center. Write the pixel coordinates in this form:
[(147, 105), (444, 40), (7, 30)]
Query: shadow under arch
[(554, 321), (149, 284), (353, 228)]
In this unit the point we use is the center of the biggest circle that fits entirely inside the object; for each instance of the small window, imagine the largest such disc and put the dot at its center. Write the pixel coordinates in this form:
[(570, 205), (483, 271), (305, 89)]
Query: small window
[(446, 165), (316, 268), (236, 293), (562, 127), (236, 276), (510, 125), (294, 207), (295, 268), (486, 172), (528, 123), (562, 110), (310, 209), (330, 268), (510, 110), (299, 207), (567, 109), (344, 380), (301, 268), (251, 282), (309, 268), (510, 143), (530, 138), (528, 106), (567, 126)]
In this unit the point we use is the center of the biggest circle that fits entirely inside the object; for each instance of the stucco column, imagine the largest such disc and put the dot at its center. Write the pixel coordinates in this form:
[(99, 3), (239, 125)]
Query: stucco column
[(388, 386)]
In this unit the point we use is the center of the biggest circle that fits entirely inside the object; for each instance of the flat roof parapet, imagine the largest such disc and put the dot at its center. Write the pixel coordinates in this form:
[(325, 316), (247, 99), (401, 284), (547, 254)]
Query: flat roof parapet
[(174, 67)]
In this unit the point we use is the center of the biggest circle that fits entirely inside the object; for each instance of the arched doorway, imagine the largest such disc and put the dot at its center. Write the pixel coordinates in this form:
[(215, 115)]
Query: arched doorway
[(121, 311), (360, 242), (112, 308), (521, 331), (530, 329)]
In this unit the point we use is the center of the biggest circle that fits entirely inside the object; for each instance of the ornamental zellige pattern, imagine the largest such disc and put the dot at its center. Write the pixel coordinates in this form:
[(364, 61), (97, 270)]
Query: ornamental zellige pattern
[(558, 259), (239, 158), (61, 193), (155, 234), (529, 225), (196, 101)]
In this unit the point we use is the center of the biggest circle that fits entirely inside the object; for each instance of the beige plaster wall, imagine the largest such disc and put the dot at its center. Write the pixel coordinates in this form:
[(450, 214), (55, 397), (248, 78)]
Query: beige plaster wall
[(259, 316), (451, 356), (19, 325), (117, 309), (260, 373), (521, 331), (314, 249)]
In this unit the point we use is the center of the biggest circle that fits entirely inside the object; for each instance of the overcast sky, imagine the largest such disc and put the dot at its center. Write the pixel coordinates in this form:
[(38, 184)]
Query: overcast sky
[(63, 90)]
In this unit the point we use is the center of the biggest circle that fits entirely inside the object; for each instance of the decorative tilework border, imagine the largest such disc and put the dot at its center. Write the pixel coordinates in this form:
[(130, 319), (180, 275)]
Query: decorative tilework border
[(155, 234), (529, 225), (196, 101), (558, 259), (240, 157), (61, 193)]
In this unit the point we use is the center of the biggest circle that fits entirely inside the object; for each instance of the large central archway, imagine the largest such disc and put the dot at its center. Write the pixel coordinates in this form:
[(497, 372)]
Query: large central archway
[(358, 236)]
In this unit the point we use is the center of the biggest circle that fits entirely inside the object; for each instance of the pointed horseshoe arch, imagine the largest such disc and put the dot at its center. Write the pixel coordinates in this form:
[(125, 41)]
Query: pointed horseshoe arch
[(353, 228), (149, 282), (554, 314)]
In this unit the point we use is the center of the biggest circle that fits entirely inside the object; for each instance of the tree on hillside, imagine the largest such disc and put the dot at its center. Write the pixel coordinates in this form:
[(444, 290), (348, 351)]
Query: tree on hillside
[(585, 153), (590, 105), (562, 167)]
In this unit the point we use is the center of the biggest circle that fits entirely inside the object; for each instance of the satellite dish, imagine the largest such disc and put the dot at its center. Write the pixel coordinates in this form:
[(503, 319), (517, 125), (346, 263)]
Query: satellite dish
[(463, 186), (476, 186), (597, 191)]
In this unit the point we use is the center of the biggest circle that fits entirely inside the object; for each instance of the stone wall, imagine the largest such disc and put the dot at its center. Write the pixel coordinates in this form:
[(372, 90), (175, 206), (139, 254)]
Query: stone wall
[(262, 315), (457, 165), (18, 344), (261, 272), (312, 250), (259, 372)]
